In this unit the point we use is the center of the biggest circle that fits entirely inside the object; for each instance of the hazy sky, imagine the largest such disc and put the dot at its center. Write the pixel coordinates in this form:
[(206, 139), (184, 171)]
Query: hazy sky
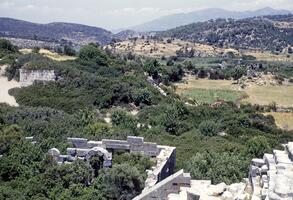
[(113, 14)]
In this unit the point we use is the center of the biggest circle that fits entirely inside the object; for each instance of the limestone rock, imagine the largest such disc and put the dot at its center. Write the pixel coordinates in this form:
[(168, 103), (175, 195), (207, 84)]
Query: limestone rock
[(217, 190), (227, 195)]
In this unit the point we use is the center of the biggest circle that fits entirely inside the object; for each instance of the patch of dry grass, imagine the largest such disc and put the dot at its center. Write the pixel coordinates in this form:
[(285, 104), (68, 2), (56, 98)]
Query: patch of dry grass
[(264, 95), (158, 49), (268, 56), (283, 120), (50, 54)]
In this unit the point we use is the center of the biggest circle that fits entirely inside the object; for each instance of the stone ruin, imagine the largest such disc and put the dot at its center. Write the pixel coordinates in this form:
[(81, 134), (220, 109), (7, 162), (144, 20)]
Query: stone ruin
[(271, 177), (84, 149), (28, 77)]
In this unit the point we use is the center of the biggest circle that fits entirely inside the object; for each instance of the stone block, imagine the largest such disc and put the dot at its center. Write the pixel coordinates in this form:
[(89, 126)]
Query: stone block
[(258, 162), (135, 140), (71, 151), (54, 152), (82, 152), (91, 144), (217, 190), (78, 142), (115, 144)]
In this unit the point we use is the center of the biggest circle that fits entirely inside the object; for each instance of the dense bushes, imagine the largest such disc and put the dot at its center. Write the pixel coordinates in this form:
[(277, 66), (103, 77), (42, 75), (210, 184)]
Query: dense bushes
[(208, 128), (218, 167), (96, 80), (7, 48)]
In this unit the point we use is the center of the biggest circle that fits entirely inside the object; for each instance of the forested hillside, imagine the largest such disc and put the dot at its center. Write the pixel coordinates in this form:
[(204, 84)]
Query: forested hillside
[(54, 32), (256, 33)]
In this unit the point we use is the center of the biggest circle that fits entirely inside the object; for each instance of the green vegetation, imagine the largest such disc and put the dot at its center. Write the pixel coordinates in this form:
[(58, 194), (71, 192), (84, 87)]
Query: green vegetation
[(95, 80), (210, 96), (99, 82), (245, 33)]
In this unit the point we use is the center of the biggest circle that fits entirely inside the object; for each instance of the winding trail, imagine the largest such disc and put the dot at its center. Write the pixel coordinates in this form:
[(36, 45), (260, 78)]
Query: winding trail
[(5, 86)]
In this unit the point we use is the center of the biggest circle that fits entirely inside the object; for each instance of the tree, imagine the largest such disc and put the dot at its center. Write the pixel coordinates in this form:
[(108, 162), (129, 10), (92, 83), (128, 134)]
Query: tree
[(93, 53), (36, 50), (6, 47), (217, 167), (142, 96), (152, 68), (122, 182), (208, 128), (69, 51), (290, 50), (124, 120), (258, 146)]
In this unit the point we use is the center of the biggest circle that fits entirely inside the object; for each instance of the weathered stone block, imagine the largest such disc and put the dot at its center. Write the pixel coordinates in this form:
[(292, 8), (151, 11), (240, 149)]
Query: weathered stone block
[(78, 142)]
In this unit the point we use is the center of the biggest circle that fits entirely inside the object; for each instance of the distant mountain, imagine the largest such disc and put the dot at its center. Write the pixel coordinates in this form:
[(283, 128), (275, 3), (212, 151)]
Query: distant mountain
[(54, 32), (172, 21), (267, 32)]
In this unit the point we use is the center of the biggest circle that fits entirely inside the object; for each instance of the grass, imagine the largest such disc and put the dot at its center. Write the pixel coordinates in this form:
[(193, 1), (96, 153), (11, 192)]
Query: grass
[(283, 120), (207, 91), (210, 96), (264, 95), (50, 54), (157, 49), (268, 56)]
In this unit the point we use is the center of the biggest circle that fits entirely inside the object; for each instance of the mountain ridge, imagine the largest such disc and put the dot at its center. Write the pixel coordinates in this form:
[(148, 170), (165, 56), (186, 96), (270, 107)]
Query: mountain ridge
[(54, 32), (180, 19)]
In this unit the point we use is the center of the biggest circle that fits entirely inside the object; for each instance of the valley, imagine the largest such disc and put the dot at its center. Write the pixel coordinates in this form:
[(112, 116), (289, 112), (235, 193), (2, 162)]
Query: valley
[(89, 114)]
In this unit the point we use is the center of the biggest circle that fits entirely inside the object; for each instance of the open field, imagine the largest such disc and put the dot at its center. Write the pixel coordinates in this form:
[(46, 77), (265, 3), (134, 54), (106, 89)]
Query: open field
[(264, 95), (209, 91), (204, 90), (50, 54), (283, 120), (268, 56)]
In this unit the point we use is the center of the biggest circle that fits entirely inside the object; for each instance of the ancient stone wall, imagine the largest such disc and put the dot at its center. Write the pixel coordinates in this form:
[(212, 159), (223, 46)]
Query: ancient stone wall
[(82, 148), (272, 176), (169, 185), (28, 77)]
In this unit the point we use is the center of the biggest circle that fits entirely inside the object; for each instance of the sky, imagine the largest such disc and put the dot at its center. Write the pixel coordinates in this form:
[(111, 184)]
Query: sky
[(116, 14)]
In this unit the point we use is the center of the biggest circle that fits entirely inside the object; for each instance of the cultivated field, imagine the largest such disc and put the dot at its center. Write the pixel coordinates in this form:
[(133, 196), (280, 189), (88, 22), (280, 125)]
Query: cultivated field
[(283, 120), (50, 54), (264, 95), (268, 56), (207, 91)]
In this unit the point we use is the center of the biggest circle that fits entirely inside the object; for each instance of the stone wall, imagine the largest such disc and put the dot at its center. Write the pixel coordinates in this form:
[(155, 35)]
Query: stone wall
[(82, 148), (169, 185), (272, 176), (28, 77)]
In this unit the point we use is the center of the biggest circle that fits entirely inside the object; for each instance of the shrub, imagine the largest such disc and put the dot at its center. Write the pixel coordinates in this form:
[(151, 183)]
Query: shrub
[(208, 128), (257, 146)]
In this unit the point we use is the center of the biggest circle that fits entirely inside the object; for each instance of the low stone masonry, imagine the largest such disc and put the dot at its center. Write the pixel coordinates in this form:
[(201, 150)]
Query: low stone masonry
[(28, 77), (161, 190), (271, 177), (165, 156)]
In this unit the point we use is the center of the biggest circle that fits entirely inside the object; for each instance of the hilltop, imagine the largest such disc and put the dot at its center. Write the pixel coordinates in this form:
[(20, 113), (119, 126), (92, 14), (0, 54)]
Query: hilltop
[(256, 33), (54, 32)]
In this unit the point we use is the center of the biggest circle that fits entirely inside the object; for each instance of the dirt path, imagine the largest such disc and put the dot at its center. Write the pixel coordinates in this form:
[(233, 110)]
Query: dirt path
[(5, 86)]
